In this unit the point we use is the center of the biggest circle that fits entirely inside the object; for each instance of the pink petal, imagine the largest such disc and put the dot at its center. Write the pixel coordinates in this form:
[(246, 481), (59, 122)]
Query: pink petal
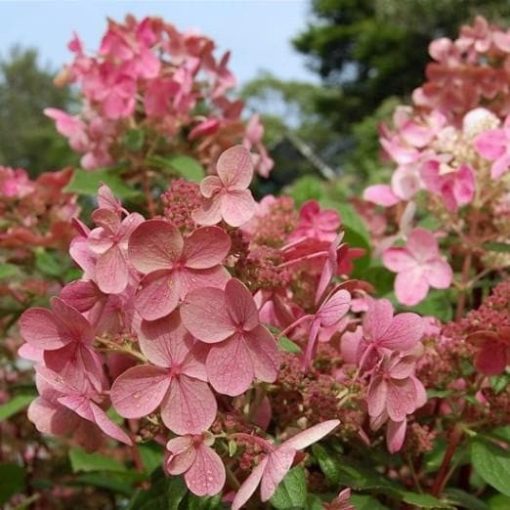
[(395, 435), (157, 296), (107, 426), (237, 207), (82, 295), (439, 274), (334, 308), (190, 406), (206, 476), (206, 247), (381, 194), (264, 354), (207, 303), (192, 279), (210, 185), (154, 245), (249, 486), (278, 465), (491, 359), (350, 346), (422, 244), (51, 418), (377, 395), (72, 324), (240, 305), (107, 219), (235, 167), (311, 435), (209, 213), (229, 367), (411, 286), (39, 328), (377, 319), (401, 399), (139, 390), (112, 273), (491, 144), (404, 332), (398, 259), (500, 166), (182, 455)]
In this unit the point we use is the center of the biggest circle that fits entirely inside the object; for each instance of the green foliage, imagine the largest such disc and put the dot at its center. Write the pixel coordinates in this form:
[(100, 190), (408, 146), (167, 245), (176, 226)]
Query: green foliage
[(292, 492), (492, 463), (184, 166), (14, 405), (28, 138), (12, 481), (81, 461), (287, 345)]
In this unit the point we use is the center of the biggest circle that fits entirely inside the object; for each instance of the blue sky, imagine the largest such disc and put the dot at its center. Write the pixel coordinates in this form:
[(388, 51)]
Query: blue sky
[(257, 31)]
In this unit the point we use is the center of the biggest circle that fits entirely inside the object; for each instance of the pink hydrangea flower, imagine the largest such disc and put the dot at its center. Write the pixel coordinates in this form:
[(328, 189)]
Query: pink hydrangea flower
[(64, 401), (273, 467), (493, 354), (227, 195), (109, 243), (242, 349), (494, 145), (316, 223), (193, 457), (174, 266), (175, 380), (419, 266), (66, 338), (456, 187), (381, 333)]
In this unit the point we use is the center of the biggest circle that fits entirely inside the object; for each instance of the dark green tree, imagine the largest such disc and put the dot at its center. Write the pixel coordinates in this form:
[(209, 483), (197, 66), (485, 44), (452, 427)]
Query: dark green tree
[(27, 138)]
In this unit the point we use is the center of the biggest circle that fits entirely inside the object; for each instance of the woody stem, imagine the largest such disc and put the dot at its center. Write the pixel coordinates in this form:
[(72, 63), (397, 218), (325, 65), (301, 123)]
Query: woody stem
[(442, 474)]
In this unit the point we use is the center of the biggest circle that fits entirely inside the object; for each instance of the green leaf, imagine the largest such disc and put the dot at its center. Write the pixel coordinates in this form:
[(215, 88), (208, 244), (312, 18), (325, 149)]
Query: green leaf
[(362, 502), (15, 405), (134, 139), (83, 461), (497, 247), (164, 494), (499, 502), (7, 270), (48, 263), (424, 500), (291, 493), (152, 456), (193, 502), (185, 166), (463, 499), (327, 463), (287, 345), (12, 481), (353, 222), (381, 278), (492, 463), (87, 183), (306, 188), (437, 304), (122, 483)]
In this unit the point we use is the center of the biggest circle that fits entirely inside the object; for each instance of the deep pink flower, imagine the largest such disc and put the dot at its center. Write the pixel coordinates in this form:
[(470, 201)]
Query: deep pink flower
[(272, 468), (175, 381), (494, 145), (419, 266), (316, 223), (174, 266), (381, 333), (456, 187), (242, 348), (65, 403), (493, 354), (202, 467), (227, 194), (109, 243)]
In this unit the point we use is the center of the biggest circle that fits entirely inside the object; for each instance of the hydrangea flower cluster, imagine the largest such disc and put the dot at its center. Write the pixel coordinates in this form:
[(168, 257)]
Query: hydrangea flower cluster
[(151, 89), (451, 156)]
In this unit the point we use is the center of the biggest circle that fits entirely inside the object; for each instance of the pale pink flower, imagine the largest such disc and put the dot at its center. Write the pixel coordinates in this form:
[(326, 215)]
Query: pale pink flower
[(381, 333), (242, 349), (316, 223), (227, 195), (175, 380), (381, 194), (174, 266), (109, 243), (456, 187), (72, 127), (494, 145), (193, 457), (273, 467), (419, 266)]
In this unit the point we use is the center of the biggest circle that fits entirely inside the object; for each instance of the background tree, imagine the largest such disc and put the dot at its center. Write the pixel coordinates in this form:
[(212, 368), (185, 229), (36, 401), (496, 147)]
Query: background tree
[(27, 138)]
